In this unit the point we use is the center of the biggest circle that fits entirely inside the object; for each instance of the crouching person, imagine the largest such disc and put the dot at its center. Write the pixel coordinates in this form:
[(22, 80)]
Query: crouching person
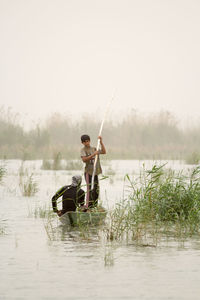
[(72, 196)]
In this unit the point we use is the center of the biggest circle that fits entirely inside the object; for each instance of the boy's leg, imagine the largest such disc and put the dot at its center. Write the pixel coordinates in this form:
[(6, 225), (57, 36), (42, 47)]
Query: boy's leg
[(92, 195), (95, 192), (88, 184)]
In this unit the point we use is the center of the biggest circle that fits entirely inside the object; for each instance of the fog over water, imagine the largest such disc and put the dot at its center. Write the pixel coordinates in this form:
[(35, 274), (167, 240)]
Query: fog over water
[(71, 56)]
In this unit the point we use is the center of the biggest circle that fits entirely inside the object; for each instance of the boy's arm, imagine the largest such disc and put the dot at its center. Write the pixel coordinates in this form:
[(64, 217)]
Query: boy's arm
[(103, 149), (56, 196)]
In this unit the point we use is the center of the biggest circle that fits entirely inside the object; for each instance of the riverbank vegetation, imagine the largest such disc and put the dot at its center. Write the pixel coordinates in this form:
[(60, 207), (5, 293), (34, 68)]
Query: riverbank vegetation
[(134, 137)]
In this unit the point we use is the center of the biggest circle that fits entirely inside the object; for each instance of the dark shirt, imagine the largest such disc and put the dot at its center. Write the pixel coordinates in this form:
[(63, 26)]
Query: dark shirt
[(71, 198)]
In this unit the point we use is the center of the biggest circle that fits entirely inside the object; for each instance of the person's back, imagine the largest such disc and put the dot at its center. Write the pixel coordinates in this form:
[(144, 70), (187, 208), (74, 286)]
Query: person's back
[(72, 196)]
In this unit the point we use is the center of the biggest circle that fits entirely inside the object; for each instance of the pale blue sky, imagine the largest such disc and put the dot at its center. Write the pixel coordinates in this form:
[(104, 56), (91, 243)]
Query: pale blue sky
[(70, 56)]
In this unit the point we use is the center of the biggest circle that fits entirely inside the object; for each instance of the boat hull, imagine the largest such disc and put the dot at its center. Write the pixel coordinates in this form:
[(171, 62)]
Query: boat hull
[(81, 218)]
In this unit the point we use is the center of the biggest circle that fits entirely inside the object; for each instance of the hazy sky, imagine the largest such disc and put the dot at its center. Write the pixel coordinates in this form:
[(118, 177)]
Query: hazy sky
[(71, 55)]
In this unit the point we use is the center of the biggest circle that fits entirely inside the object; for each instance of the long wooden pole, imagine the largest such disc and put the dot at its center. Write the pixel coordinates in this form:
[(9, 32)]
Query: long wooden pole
[(98, 143)]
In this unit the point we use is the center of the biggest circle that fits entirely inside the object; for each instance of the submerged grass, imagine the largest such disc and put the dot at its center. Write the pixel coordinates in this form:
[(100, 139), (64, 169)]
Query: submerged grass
[(42, 212), (50, 229), (160, 202), (81, 231)]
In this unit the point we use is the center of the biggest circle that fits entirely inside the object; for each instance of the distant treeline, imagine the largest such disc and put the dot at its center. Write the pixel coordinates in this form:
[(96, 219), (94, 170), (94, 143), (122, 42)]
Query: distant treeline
[(134, 137)]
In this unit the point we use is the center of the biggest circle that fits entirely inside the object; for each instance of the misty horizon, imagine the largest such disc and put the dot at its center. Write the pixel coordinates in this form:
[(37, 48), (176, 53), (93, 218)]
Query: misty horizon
[(28, 122)]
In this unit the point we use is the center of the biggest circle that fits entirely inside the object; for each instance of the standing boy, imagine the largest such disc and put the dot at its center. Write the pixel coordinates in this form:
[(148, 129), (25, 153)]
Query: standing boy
[(88, 154)]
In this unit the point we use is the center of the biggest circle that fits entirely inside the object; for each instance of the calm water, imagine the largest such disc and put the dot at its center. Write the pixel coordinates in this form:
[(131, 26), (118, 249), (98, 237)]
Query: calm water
[(71, 267)]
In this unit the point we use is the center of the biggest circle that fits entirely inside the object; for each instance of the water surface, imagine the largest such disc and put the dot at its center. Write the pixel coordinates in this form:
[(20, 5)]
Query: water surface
[(72, 266)]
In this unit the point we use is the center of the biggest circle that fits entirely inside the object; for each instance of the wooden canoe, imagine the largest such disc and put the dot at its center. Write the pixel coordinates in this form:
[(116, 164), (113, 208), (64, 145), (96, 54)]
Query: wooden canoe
[(82, 218)]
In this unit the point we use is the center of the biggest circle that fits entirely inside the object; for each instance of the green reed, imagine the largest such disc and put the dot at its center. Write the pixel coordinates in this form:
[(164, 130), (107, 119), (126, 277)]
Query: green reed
[(159, 200)]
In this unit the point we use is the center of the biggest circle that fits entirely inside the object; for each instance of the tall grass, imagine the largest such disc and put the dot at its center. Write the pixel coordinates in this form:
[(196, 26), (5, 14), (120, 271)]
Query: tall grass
[(27, 183), (159, 200)]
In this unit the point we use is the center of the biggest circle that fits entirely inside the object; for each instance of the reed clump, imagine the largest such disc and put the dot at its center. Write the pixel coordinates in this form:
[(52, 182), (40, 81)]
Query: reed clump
[(27, 183), (160, 201)]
